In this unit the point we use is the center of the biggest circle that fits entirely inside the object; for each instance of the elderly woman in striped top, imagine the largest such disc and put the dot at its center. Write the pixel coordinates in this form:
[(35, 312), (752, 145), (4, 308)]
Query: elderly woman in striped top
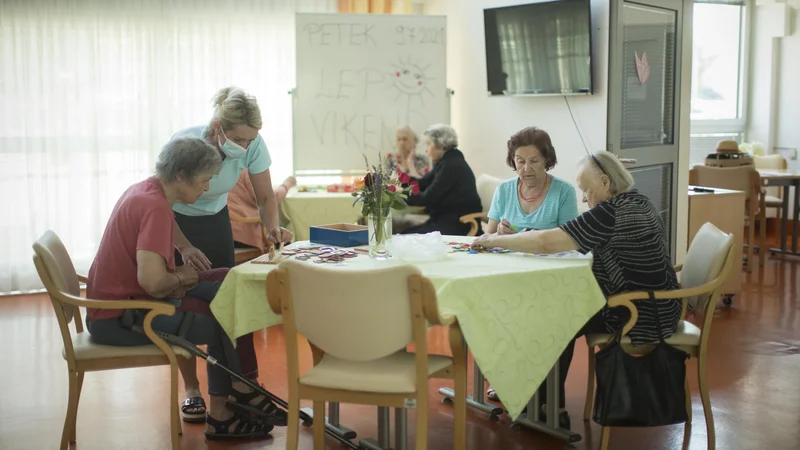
[(624, 232)]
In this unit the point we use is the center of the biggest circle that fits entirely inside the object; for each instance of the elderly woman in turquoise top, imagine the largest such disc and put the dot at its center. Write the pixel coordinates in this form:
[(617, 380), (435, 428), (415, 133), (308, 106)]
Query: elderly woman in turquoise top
[(203, 237), (534, 199)]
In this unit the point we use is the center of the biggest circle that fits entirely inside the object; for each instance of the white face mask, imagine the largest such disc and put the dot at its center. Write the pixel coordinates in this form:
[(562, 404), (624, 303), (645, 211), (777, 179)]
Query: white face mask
[(231, 149)]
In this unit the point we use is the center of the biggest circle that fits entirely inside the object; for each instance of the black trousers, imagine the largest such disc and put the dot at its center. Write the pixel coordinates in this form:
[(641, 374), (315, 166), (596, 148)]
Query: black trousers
[(212, 235), (446, 226)]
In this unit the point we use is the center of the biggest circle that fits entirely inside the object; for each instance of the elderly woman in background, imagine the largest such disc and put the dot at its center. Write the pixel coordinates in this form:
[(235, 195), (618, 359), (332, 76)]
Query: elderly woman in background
[(136, 260), (407, 159), (448, 191), (533, 200), (624, 232)]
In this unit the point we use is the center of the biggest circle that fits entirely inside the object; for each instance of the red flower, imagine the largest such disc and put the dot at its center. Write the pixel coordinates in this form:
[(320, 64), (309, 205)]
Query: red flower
[(403, 177), (414, 188), (368, 180), (392, 188)]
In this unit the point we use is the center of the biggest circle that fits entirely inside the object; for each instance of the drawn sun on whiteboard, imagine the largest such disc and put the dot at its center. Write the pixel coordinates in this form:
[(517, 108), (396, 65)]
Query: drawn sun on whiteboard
[(410, 80)]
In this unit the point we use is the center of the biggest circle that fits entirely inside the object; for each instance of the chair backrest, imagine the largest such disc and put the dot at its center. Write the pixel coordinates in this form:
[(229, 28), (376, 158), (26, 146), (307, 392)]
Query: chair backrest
[(56, 266), (734, 178), (773, 161), (704, 261), (486, 185), (355, 315)]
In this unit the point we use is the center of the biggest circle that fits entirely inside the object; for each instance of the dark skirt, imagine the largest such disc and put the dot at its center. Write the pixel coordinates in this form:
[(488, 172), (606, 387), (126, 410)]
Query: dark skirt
[(212, 235)]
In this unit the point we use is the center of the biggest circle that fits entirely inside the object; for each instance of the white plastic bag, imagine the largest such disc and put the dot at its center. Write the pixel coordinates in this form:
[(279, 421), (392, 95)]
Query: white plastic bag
[(418, 247)]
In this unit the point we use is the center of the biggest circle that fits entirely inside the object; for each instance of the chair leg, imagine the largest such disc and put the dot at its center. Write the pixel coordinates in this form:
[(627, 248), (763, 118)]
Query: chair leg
[(293, 431), (73, 426), (174, 416), (422, 418), (701, 378), (688, 402), (72, 411), (589, 402), (762, 237), (605, 437), (460, 408), (750, 241), (319, 425)]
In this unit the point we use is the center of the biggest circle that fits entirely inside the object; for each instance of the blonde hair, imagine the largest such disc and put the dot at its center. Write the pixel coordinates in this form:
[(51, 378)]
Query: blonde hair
[(233, 106), (619, 179)]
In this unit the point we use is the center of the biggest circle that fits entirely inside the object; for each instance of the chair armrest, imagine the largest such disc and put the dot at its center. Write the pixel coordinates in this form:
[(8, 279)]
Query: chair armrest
[(157, 306), (82, 279), (429, 305), (473, 221), (626, 299), (244, 219), (274, 291)]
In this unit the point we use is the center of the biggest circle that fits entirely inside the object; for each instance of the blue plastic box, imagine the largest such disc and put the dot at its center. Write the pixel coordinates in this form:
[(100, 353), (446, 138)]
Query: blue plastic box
[(340, 235)]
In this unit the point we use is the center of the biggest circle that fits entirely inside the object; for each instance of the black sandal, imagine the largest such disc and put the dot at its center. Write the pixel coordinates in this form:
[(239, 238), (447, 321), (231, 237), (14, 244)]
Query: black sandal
[(265, 411), (197, 404), (246, 428)]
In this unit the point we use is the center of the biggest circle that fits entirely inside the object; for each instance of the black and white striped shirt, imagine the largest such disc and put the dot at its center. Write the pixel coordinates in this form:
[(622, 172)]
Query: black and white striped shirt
[(628, 241)]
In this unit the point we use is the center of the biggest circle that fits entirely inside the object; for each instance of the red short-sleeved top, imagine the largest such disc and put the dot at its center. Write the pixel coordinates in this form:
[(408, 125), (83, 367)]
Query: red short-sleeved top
[(141, 220)]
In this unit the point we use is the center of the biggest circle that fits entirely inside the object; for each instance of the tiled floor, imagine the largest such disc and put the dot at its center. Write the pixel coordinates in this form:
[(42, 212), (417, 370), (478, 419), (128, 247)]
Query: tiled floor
[(754, 378)]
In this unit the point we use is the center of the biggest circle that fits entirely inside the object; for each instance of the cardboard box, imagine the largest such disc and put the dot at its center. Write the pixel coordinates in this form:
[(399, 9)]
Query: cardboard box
[(340, 235)]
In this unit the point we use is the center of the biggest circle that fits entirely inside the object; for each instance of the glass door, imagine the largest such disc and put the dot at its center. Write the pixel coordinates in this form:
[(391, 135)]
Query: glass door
[(643, 98)]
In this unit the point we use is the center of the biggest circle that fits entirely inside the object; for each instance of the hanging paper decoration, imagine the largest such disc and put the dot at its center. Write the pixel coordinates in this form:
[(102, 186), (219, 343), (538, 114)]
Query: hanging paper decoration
[(642, 67)]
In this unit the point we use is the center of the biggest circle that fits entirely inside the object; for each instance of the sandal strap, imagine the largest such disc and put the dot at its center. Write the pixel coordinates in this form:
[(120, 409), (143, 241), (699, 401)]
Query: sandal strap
[(243, 426), (194, 402), (244, 398)]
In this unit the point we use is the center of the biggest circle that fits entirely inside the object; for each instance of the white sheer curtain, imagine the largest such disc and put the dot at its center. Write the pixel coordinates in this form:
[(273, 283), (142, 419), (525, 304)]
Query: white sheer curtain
[(91, 89)]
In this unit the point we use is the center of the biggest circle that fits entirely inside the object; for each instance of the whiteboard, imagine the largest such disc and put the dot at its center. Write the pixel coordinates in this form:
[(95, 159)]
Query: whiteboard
[(360, 77)]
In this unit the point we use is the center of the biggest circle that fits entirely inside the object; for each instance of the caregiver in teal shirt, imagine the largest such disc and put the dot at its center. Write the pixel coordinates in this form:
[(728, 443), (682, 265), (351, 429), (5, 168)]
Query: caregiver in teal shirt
[(534, 199), (203, 234)]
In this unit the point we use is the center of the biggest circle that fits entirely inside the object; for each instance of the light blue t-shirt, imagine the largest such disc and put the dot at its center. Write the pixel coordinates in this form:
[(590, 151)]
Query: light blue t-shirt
[(256, 160), (559, 207)]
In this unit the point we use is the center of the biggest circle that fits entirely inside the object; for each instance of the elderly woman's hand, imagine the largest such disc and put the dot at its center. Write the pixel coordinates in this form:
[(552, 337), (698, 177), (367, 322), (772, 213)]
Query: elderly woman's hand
[(505, 227), (483, 241)]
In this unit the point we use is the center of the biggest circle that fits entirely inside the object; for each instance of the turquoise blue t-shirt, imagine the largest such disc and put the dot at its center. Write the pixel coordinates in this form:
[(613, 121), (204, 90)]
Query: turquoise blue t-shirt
[(256, 160), (559, 207)]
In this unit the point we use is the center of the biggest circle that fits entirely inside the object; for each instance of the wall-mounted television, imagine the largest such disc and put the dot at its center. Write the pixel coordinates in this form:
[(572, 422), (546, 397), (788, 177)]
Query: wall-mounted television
[(539, 48)]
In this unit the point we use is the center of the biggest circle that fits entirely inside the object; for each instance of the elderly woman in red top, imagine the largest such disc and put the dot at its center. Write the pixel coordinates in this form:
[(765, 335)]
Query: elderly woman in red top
[(136, 260)]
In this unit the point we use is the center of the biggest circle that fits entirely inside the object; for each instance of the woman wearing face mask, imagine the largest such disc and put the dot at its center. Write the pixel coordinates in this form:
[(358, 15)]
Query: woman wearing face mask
[(203, 234)]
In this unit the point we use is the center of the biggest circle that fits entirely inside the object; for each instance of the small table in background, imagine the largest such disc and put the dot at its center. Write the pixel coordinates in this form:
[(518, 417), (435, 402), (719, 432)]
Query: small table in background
[(785, 179), (303, 210)]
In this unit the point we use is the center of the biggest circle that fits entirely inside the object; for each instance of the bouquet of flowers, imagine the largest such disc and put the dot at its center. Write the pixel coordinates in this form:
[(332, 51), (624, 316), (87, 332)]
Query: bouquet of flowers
[(380, 191)]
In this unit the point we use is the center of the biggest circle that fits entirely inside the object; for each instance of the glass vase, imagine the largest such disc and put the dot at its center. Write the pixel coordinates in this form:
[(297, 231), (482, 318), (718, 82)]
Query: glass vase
[(380, 231)]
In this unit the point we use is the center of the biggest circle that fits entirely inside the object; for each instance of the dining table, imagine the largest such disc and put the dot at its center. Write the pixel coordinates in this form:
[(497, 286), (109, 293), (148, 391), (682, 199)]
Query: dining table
[(517, 313), (786, 179)]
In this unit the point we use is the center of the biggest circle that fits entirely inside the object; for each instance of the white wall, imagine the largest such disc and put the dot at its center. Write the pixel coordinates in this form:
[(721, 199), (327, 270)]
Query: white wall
[(485, 123), (774, 103)]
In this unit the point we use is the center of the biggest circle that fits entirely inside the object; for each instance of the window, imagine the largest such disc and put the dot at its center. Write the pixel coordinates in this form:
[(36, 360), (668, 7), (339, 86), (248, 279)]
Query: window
[(718, 84)]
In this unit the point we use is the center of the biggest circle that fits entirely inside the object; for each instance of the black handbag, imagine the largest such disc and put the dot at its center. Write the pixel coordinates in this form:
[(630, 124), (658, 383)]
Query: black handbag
[(640, 391)]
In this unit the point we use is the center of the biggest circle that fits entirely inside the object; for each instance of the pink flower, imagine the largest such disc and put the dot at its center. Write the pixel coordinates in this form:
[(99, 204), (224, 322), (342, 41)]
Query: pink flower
[(414, 188), (392, 188)]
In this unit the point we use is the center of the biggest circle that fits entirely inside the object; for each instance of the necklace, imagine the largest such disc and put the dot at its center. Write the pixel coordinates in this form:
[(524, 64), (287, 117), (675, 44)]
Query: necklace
[(535, 197)]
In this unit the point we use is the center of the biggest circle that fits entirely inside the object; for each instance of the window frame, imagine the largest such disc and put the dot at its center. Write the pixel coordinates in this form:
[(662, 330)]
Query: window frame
[(739, 124)]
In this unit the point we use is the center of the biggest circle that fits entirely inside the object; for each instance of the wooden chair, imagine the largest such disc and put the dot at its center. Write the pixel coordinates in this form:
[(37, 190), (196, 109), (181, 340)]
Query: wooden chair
[(358, 324), (57, 272), (242, 255), (708, 263), (773, 195), (486, 185), (746, 179)]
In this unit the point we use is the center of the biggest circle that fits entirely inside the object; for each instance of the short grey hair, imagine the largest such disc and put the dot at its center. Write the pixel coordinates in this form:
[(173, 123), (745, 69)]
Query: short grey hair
[(442, 136), (188, 157), (619, 179)]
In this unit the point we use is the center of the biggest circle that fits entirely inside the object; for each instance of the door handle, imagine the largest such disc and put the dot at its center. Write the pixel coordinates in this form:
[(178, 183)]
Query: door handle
[(628, 161)]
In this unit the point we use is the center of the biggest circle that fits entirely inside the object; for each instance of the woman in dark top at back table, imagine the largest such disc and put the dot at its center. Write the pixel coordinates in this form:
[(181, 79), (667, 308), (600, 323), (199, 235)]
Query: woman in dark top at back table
[(448, 191)]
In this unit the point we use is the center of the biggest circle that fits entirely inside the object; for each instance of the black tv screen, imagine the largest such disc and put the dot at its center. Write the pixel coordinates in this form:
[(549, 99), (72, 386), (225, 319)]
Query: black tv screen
[(539, 48)]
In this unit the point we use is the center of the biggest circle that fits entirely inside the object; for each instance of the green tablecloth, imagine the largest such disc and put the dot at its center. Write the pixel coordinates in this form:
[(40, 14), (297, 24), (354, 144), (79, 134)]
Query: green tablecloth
[(517, 312)]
